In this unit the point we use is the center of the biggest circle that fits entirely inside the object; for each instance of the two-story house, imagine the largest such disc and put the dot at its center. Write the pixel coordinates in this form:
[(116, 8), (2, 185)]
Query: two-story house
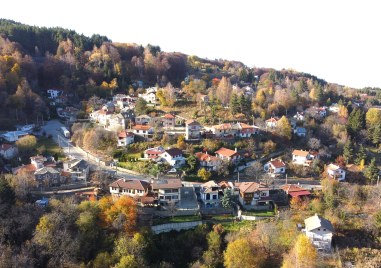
[(173, 157), (209, 192), (78, 168), (246, 131), (167, 190), (116, 122), (47, 176), (231, 156), (8, 151), (319, 231), (168, 121), (125, 138), (253, 195), (139, 190), (192, 130), (336, 172), (272, 122), (144, 131), (143, 119), (304, 158), (154, 153), (275, 167), (209, 162)]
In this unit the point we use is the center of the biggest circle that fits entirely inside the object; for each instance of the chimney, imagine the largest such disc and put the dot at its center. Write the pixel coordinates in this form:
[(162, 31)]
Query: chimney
[(206, 152), (235, 149)]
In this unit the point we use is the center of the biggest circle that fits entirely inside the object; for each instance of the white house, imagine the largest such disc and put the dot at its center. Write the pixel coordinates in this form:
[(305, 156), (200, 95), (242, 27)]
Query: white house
[(336, 172), (154, 153), (299, 116), (168, 190), (209, 162), (192, 130), (115, 123), (149, 97), (319, 231), (8, 151), (275, 167), (209, 192), (125, 138), (173, 157), (53, 93), (301, 157), (272, 122), (101, 116), (130, 188), (143, 131)]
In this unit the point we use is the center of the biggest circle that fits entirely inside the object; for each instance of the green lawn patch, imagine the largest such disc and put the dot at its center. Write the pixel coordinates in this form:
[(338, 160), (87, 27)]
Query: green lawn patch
[(234, 226), (48, 146), (259, 213), (176, 219)]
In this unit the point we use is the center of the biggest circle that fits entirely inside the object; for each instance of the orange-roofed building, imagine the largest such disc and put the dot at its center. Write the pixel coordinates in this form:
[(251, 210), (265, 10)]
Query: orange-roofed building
[(275, 167), (209, 162), (228, 155), (168, 121), (125, 138)]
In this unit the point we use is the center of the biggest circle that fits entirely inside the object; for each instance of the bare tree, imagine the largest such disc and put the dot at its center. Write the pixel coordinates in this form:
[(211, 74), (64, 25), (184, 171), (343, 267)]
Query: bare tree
[(255, 170)]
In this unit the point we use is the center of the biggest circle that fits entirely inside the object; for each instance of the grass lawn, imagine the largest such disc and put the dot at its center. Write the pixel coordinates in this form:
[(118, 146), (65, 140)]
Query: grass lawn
[(51, 147), (133, 155), (234, 226), (176, 219), (265, 213)]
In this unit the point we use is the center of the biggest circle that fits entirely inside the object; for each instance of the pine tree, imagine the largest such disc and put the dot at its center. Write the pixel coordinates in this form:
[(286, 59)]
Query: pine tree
[(241, 103), (361, 155), (371, 172), (376, 136), (356, 122), (348, 151), (234, 104), (226, 200)]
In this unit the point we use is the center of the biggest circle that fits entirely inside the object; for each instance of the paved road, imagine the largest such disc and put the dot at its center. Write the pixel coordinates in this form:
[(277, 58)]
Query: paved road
[(53, 128)]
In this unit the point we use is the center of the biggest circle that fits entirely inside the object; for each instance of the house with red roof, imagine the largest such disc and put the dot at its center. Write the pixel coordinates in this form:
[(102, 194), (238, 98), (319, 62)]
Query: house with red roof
[(168, 121), (275, 167), (292, 190), (272, 122), (336, 172), (125, 138), (8, 151), (304, 158), (154, 153), (226, 154), (209, 162), (144, 131)]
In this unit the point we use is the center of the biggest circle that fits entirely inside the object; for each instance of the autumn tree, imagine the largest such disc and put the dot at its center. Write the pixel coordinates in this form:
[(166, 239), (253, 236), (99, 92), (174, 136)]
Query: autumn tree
[(204, 174), (239, 253), (373, 117), (181, 142), (302, 255), (343, 112), (361, 156), (212, 256), (26, 144), (314, 143), (224, 91), (284, 128)]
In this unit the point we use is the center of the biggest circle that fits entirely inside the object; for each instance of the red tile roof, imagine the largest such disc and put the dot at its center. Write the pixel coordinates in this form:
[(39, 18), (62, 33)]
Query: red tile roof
[(251, 187), (166, 184), (300, 153), (191, 122), (169, 116), (141, 127), (277, 163), (205, 157), (226, 152)]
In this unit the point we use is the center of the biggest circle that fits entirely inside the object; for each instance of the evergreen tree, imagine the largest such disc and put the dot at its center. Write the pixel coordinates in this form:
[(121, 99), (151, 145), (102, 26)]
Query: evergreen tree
[(226, 200), (356, 122), (348, 151), (371, 172), (242, 103), (7, 195), (234, 104), (376, 135), (361, 155)]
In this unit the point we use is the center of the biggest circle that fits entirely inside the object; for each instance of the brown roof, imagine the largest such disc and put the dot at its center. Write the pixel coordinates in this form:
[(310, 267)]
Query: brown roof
[(168, 116), (130, 184), (251, 187), (166, 184), (226, 152), (300, 153), (5, 147), (205, 157), (141, 127), (243, 125), (174, 152), (30, 168), (272, 119), (223, 126), (277, 163), (191, 122), (124, 134), (290, 188)]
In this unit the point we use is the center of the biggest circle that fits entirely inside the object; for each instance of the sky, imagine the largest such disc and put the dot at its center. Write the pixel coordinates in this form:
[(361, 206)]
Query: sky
[(335, 40)]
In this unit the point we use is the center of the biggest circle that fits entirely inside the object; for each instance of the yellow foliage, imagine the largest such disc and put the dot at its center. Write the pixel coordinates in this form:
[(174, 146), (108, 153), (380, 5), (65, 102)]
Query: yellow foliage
[(303, 254), (239, 254)]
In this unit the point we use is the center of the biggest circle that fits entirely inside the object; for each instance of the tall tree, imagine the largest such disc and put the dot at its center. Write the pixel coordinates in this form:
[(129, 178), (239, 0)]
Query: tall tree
[(227, 199), (7, 195), (373, 116), (239, 253), (234, 104), (348, 151), (376, 135), (302, 255), (356, 122), (361, 155), (284, 128), (141, 106), (224, 90), (371, 172)]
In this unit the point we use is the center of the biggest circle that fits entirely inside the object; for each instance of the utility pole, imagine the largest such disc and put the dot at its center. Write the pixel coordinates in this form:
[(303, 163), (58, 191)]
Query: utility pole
[(286, 178)]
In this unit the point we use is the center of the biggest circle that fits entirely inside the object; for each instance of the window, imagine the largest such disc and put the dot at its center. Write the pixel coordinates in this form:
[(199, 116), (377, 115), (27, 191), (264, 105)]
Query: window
[(324, 229), (168, 198), (214, 197), (161, 197), (318, 229), (175, 197), (263, 194)]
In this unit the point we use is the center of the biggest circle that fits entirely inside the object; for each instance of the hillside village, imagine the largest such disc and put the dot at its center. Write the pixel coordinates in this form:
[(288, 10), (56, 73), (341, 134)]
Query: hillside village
[(235, 160)]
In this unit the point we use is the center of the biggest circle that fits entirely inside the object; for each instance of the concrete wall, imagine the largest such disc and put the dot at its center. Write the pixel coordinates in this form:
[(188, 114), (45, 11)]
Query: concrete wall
[(162, 228)]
